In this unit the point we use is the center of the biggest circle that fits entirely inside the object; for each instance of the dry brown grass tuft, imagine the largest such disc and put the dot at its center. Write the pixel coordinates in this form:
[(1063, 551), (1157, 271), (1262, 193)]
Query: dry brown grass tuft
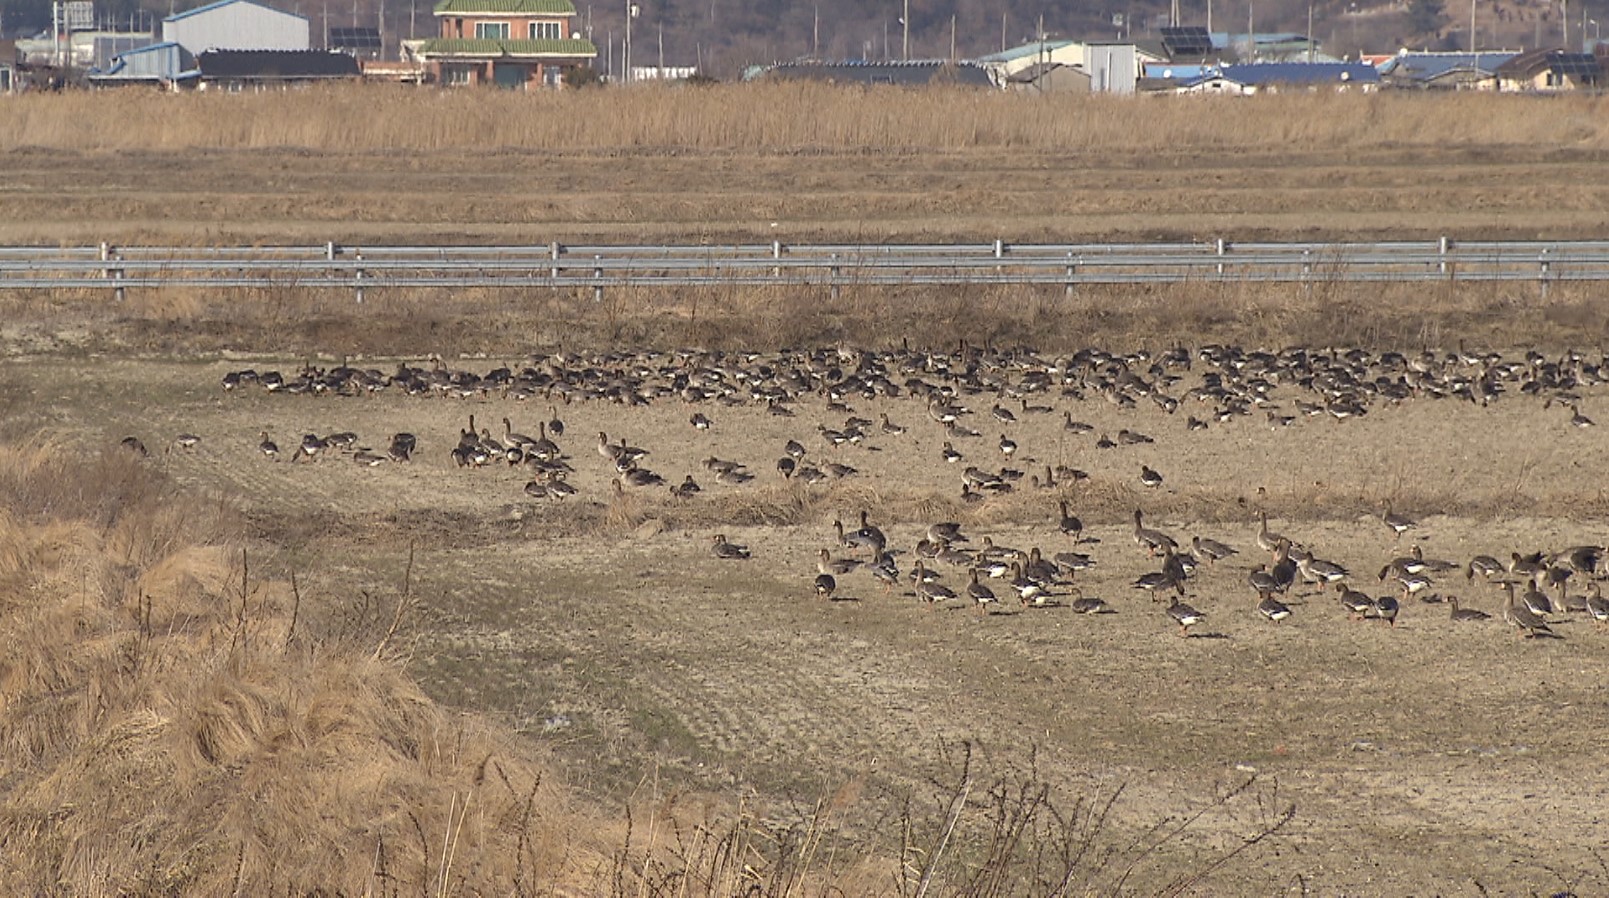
[(164, 730)]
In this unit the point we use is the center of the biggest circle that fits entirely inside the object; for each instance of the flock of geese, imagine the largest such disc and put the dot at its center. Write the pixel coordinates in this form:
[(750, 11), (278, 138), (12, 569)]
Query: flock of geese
[(1211, 386)]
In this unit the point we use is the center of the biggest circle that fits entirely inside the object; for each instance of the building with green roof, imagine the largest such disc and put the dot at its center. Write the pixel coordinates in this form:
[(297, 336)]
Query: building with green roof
[(513, 44)]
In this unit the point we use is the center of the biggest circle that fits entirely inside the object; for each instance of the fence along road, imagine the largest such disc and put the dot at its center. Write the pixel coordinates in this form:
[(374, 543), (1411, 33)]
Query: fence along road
[(825, 266)]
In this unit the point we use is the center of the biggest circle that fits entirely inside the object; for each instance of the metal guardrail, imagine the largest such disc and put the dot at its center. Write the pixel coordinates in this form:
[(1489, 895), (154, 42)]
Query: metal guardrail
[(827, 266)]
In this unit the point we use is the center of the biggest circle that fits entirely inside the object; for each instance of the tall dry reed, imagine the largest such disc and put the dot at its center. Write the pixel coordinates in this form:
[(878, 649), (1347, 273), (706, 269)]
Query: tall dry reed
[(787, 118)]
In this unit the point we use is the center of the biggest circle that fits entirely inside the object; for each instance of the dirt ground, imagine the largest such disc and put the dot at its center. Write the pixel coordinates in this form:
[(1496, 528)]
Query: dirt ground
[(975, 196), (1429, 758)]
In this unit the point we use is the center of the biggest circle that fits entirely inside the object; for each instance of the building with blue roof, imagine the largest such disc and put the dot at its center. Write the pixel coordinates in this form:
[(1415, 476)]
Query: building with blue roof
[(1422, 70), (1283, 77)]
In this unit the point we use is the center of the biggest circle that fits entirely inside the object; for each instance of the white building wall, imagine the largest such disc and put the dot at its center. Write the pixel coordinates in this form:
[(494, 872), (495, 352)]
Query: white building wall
[(1112, 68), (240, 25)]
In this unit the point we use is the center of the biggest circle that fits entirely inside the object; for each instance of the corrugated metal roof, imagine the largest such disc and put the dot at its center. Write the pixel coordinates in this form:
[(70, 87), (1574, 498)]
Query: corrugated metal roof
[(464, 46), (914, 72), (1294, 73), (222, 3), (1032, 49), (506, 7), (1427, 66)]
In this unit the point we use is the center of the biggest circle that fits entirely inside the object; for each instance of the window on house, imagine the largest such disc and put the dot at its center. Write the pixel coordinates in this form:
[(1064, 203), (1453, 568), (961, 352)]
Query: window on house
[(456, 74), (491, 31), (545, 31)]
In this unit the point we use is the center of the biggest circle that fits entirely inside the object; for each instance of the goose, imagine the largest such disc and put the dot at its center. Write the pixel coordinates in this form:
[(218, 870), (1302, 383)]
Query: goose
[(1585, 560), (1184, 615), (869, 534), (402, 446), (981, 595), (1285, 569), (946, 532), (515, 439), (1035, 409), (1267, 540), (1008, 446), (1262, 581), (1536, 601), (1273, 609), (686, 489), (1156, 581), (1597, 605), (367, 458), (1178, 565), (641, 477), (1105, 442), (949, 453), (838, 566), (700, 421), (786, 466), (186, 441), (1082, 605), (1128, 437), (889, 427), (720, 548), (1385, 608), (1150, 477), (1529, 622), (1072, 426), (134, 445), (1072, 562), (555, 425), (932, 592), (1211, 549), (826, 585), (794, 449), (1039, 569), (1398, 524), (1465, 615), (883, 571), (1029, 590), (1319, 571), (1070, 524), (1152, 541), (1358, 605), (1003, 415), (920, 572), (733, 477), (268, 447), (557, 488), (312, 444), (1576, 418)]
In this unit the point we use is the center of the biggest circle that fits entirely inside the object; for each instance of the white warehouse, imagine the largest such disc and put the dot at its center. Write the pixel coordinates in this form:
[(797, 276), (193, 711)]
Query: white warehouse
[(237, 25)]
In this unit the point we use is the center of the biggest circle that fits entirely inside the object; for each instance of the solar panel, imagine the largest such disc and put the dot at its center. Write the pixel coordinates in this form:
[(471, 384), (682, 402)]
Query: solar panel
[(1186, 40), (355, 39), (1576, 64)]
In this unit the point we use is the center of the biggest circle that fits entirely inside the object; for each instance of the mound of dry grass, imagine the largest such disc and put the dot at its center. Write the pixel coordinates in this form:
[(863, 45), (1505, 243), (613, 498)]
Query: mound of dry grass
[(165, 730)]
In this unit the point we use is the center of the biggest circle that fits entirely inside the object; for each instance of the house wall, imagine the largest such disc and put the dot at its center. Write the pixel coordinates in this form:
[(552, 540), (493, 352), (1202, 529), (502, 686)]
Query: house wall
[(483, 72), (239, 26), (518, 26)]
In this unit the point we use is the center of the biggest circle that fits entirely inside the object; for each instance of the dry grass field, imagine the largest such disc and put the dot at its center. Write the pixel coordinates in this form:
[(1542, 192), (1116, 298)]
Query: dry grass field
[(717, 711)]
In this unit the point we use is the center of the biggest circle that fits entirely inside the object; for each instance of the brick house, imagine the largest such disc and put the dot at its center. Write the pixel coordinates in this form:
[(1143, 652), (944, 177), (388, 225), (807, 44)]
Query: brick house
[(514, 44)]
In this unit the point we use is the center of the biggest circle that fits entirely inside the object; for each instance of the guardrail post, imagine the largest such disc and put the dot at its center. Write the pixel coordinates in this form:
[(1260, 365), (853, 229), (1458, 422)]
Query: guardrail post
[(1442, 246), (999, 248), (833, 273), (1307, 272), (1223, 247), (109, 253), (776, 253), (597, 275), (357, 277), (1072, 271), (553, 253), (1543, 275)]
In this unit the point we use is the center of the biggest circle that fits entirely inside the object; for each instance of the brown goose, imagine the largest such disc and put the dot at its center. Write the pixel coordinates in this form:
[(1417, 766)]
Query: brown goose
[(1528, 621), (1153, 541)]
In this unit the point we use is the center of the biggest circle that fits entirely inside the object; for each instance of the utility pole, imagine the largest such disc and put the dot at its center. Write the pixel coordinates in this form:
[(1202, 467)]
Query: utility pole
[(905, 41), (1472, 30), (815, 34)]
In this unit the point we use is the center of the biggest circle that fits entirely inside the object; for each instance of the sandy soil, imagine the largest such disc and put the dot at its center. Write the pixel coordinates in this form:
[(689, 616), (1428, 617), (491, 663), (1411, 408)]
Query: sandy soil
[(1429, 758)]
